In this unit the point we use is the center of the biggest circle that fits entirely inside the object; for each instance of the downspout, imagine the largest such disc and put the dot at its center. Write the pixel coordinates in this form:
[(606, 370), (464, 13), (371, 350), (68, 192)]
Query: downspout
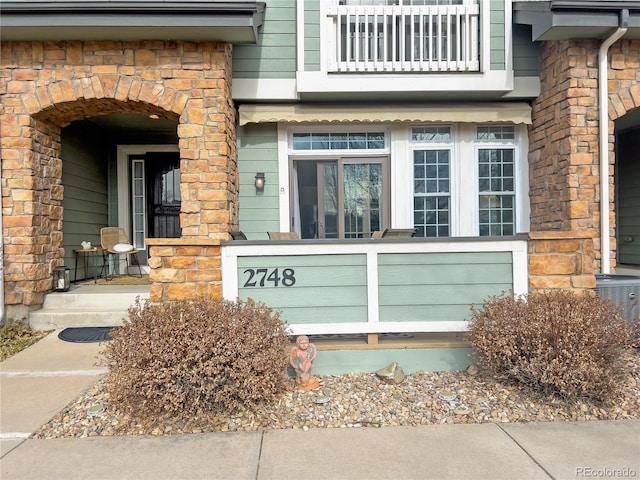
[(603, 101), (1, 257)]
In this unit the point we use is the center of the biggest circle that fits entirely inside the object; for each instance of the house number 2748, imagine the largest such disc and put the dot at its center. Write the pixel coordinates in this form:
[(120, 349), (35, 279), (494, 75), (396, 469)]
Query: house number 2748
[(259, 277)]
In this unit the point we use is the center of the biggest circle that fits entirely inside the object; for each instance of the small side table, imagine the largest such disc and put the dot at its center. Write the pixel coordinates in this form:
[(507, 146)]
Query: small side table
[(89, 256)]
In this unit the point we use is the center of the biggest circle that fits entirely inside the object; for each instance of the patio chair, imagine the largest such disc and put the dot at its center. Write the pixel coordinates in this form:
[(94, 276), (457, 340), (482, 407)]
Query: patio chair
[(115, 244), (237, 235), (398, 232), (283, 236)]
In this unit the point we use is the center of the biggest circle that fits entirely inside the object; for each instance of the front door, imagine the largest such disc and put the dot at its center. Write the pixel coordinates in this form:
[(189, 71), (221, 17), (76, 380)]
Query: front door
[(163, 185), (155, 196)]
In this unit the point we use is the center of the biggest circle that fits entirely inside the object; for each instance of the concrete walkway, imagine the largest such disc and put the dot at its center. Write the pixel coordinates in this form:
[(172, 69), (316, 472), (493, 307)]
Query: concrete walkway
[(40, 381)]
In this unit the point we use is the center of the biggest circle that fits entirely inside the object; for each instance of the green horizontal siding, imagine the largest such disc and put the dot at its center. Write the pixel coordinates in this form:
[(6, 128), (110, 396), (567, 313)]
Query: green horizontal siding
[(312, 35), (420, 313), (327, 288), (85, 205), (439, 286), (497, 35), (525, 52), (274, 55), (258, 152)]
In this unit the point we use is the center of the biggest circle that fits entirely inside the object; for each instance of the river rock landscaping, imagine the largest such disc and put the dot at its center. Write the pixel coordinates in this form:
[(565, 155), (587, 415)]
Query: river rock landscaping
[(364, 400)]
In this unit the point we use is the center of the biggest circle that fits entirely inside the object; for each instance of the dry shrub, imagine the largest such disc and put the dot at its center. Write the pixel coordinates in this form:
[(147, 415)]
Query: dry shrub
[(554, 342), (187, 358)]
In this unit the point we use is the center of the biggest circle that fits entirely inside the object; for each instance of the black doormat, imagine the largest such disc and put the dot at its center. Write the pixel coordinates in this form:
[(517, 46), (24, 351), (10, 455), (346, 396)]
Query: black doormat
[(85, 334)]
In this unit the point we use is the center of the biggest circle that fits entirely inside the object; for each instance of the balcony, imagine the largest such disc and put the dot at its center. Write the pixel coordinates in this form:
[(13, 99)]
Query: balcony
[(404, 38)]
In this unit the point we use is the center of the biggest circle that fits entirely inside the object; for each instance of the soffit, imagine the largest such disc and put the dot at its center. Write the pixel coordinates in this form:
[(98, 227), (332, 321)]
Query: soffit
[(516, 112), (565, 19), (199, 20)]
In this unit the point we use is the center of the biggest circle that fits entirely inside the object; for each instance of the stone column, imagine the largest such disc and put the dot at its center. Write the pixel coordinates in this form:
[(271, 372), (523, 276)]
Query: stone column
[(561, 260)]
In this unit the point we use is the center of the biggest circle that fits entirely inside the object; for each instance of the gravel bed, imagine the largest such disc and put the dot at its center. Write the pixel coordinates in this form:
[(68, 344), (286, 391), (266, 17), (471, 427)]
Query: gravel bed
[(362, 400)]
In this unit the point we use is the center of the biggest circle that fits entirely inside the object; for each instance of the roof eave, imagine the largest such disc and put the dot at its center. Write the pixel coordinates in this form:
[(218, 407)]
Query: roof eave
[(564, 19), (231, 22)]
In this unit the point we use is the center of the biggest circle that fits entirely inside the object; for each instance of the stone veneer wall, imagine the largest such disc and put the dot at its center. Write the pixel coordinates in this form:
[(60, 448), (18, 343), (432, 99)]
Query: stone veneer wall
[(564, 152), (46, 85), (561, 260), (183, 269)]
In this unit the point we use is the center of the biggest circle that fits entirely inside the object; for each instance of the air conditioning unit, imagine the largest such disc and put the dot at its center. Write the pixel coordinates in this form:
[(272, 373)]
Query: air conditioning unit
[(622, 290)]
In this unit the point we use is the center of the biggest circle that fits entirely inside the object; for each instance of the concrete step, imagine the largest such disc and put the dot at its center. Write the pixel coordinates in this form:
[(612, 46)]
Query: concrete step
[(87, 306)]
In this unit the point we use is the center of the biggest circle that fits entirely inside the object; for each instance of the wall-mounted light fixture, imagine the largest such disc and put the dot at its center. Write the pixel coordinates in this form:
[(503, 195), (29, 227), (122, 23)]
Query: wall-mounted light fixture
[(259, 182)]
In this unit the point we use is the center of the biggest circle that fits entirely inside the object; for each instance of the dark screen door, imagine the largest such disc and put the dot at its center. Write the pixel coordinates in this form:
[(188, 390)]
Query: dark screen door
[(163, 194)]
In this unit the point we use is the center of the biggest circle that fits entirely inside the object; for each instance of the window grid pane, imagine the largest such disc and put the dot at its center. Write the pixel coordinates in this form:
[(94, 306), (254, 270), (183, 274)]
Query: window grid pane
[(339, 141), (431, 134), (496, 188), (496, 132), (431, 193)]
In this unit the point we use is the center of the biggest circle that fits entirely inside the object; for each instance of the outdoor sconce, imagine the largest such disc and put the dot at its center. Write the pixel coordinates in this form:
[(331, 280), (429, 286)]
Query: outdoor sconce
[(61, 280), (259, 182)]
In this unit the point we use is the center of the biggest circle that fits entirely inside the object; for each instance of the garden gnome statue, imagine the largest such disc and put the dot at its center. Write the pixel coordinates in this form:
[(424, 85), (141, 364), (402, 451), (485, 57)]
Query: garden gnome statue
[(301, 360)]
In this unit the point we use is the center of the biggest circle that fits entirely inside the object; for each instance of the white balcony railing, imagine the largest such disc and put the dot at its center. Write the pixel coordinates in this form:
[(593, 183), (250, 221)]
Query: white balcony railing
[(404, 38)]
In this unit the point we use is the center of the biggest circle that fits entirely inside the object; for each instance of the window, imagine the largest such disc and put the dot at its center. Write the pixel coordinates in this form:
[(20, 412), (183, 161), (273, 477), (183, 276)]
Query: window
[(464, 180), (496, 182), (340, 198), (431, 182), (338, 141), (341, 190), (444, 180), (138, 200), (496, 191)]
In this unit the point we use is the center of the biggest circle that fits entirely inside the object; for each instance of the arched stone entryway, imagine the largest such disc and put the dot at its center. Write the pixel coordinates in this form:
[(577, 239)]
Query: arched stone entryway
[(47, 85), (564, 154)]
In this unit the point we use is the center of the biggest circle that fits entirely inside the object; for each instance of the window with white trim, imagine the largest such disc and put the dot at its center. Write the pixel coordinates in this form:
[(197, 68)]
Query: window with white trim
[(464, 180), (431, 181), (496, 181), (444, 180), (340, 183)]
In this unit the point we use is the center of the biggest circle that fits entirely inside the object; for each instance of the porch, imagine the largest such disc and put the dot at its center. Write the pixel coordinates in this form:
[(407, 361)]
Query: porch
[(371, 287)]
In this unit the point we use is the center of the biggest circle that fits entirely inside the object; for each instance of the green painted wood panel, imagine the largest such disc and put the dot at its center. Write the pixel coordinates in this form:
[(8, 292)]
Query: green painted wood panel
[(496, 35), (402, 274), (411, 360), (312, 35), (422, 313), (274, 55), (311, 315), (525, 52), (327, 288), (85, 205), (439, 286), (258, 152), (444, 258), (445, 294)]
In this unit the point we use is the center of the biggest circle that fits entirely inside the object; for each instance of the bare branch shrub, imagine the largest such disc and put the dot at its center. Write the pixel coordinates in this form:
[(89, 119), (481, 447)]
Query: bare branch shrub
[(556, 342), (187, 358)]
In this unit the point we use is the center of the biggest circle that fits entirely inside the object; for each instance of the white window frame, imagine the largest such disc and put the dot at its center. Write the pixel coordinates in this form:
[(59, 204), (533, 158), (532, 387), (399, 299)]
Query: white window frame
[(437, 146), (464, 203), (143, 195), (286, 155), (498, 145), (463, 215)]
